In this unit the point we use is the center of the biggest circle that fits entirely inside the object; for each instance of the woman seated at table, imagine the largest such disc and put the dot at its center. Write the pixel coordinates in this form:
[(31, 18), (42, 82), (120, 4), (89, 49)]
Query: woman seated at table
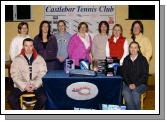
[(79, 46), (117, 45), (46, 45), (135, 75)]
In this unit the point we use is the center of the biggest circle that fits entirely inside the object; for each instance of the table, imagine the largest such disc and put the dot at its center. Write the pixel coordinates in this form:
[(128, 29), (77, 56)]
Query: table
[(97, 90)]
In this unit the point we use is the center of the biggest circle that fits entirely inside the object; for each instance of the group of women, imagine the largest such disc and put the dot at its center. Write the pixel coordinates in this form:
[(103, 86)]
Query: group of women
[(55, 48)]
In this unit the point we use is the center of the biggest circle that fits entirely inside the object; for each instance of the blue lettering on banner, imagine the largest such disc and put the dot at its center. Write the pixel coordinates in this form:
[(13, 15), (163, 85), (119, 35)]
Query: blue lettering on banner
[(81, 9), (106, 9), (74, 14), (59, 9)]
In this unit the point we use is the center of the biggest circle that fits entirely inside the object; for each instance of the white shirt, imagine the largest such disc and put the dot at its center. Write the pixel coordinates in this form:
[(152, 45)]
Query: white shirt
[(16, 45), (85, 40), (126, 49), (133, 59)]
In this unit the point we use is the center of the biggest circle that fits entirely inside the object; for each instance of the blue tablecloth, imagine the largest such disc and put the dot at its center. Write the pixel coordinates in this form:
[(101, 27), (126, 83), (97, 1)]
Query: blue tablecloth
[(55, 84)]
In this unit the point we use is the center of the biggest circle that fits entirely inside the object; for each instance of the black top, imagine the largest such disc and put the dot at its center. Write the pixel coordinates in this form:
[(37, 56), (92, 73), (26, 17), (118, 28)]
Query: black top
[(135, 72), (44, 44)]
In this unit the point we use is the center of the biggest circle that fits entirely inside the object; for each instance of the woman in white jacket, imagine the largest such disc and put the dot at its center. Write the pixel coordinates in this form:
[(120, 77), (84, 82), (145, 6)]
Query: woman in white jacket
[(17, 42)]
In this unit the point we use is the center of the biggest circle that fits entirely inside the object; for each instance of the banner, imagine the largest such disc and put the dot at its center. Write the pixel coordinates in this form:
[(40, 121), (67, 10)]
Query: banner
[(73, 15)]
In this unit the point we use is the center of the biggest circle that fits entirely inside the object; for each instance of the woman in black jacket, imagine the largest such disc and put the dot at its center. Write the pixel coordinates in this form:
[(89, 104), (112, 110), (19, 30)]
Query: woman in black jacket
[(135, 74), (46, 45)]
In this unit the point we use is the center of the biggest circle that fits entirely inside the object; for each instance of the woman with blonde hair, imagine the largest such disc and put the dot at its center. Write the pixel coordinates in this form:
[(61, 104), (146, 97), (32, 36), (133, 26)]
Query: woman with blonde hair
[(117, 45)]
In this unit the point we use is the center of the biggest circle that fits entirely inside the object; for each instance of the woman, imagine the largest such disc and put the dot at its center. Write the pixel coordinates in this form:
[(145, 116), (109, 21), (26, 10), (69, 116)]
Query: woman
[(137, 35), (17, 42), (135, 75), (100, 40), (80, 44), (63, 38), (46, 46), (117, 45)]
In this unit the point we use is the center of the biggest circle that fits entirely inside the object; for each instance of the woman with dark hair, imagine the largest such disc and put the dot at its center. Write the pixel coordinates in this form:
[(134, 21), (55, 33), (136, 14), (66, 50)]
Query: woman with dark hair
[(80, 44), (137, 31), (17, 42), (46, 45), (100, 40), (117, 45), (135, 74)]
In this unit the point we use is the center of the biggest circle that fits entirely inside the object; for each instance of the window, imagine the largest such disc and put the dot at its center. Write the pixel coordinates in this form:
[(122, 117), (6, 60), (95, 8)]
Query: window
[(17, 12), (144, 12), (8, 12)]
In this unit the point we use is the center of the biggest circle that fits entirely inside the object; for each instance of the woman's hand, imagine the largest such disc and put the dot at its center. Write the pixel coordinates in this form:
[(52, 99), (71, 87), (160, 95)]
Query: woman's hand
[(132, 86), (61, 58)]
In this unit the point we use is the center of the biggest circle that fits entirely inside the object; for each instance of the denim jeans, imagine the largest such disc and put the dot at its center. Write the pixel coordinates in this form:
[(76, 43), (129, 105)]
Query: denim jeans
[(132, 97)]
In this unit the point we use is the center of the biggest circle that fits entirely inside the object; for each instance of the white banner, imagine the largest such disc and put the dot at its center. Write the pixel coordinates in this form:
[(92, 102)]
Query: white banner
[(73, 15)]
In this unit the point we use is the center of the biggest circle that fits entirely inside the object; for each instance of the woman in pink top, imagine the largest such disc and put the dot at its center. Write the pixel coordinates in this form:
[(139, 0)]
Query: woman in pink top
[(79, 46)]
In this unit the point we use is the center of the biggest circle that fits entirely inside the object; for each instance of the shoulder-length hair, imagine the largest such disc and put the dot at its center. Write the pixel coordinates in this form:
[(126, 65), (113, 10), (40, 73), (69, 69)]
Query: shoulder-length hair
[(120, 26), (40, 29), (20, 25), (141, 27), (63, 21), (106, 24), (134, 42), (83, 23)]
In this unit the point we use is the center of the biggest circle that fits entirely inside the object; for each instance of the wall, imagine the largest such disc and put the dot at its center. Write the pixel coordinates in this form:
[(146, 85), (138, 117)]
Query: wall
[(149, 30), (11, 28), (121, 16)]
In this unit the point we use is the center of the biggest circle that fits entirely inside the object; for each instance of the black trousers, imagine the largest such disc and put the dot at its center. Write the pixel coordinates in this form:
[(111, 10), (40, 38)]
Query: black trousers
[(14, 98)]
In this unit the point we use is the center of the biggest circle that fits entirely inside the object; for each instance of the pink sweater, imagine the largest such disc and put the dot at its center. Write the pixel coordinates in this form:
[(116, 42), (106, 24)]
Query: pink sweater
[(76, 49)]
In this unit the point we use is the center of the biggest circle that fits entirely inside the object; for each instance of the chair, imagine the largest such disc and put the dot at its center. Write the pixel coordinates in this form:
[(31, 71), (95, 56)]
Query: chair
[(24, 103), (143, 96), (7, 66)]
